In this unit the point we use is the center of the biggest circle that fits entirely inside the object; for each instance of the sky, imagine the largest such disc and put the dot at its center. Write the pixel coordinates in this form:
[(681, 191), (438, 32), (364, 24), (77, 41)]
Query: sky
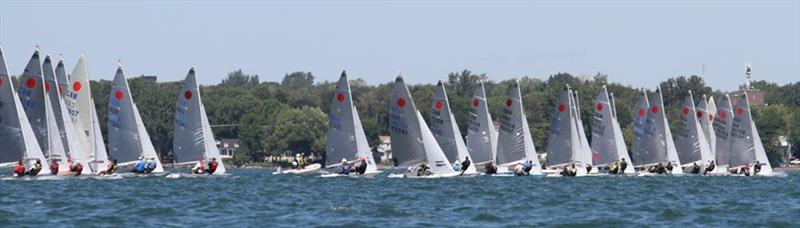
[(635, 43)]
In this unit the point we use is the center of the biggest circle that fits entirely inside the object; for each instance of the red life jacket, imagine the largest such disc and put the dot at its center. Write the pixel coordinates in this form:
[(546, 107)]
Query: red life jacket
[(20, 169), (213, 165), (54, 168)]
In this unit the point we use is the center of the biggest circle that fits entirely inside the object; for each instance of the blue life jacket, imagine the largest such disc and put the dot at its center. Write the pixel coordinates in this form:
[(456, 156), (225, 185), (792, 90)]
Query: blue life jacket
[(139, 166), (151, 165)]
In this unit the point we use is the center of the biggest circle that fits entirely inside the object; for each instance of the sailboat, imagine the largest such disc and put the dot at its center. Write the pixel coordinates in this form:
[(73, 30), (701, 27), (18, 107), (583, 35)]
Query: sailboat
[(658, 146), (193, 140), (128, 140), (445, 129), (18, 141), (514, 141), (641, 155), (346, 138), (69, 139), (706, 109), (691, 143), (722, 130), (746, 148), (564, 147), (481, 135), (608, 145), (412, 141), (40, 114), (82, 111)]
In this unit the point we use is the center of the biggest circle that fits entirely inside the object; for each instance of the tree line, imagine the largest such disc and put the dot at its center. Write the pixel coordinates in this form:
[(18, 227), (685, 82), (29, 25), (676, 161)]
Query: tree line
[(271, 118)]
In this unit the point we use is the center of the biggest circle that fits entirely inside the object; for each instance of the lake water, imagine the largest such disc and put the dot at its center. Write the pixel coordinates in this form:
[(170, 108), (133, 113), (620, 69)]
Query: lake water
[(255, 198)]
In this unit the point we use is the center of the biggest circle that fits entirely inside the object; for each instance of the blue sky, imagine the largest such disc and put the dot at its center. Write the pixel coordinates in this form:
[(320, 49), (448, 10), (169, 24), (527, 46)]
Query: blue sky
[(635, 43)]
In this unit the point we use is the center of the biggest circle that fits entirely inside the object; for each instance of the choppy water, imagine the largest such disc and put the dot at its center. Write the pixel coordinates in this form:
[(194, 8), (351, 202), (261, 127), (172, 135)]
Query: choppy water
[(255, 198)]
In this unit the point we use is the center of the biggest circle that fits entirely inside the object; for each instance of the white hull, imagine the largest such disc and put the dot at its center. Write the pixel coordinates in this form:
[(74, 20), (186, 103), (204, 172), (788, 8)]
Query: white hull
[(309, 169)]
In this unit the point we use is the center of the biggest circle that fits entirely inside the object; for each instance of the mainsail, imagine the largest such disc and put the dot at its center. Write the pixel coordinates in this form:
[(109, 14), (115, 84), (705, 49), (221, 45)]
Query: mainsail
[(722, 130), (691, 143), (562, 143), (16, 134), (706, 110), (746, 146), (412, 140), (346, 138), (515, 144), (481, 136), (38, 110), (66, 129), (127, 138), (192, 137), (81, 109), (659, 142), (641, 154), (606, 134), (445, 130)]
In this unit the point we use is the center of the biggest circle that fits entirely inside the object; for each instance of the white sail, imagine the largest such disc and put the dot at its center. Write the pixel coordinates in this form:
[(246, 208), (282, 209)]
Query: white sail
[(706, 109), (16, 134), (445, 129), (35, 105), (81, 109), (363, 146), (585, 152), (148, 150), (66, 129)]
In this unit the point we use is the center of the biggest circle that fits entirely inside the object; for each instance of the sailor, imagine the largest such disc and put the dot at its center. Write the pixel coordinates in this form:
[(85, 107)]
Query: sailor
[(302, 161), (19, 170), (199, 167), (622, 166), (572, 170), (588, 168), (669, 167), (138, 167), (519, 170), (464, 165), (150, 165), (661, 169), (423, 170), (456, 165), (528, 167), (345, 168), (362, 167), (111, 168), (613, 168), (695, 168), (491, 168), (710, 167), (35, 169), (756, 167), (76, 168), (54, 167), (212, 166)]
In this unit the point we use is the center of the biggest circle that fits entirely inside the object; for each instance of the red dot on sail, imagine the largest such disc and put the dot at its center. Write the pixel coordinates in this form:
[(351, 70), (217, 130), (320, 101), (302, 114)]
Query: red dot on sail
[(685, 111), (599, 107), (60, 89), (699, 114), (188, 94), (654, 109), (739, 111), (642, 112), (47, 87), (509, 103), (401, 102), (439, 105), (340, 97), (30, 83), (723, 115), (476, 102), (1, 82), (119, 95), (561, 108), (76, 86)]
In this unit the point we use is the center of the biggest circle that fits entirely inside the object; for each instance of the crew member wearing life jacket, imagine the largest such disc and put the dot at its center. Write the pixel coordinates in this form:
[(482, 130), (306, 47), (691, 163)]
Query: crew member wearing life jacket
[(614, 168), (519, 170), (528, 167), (54, 167), (423, 170), (112, 168), (199, 167), (588, 168), (150, 165), (622, 166), (212, 166), (464, 165), (35, 169), (362, 168), (139, 167), (570, 171), (302, 161), (344, 168), (76, 168), (491, 168), (695, 168), (19, 170), (669, 167), (456, 166), (710, 167), (756, 167)]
